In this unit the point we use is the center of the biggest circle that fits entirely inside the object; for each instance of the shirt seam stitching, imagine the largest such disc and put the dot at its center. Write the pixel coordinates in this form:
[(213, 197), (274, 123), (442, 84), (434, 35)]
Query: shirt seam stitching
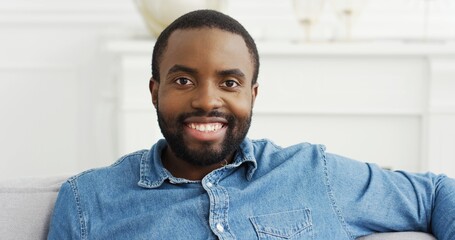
[(83, 228), (332, 196)]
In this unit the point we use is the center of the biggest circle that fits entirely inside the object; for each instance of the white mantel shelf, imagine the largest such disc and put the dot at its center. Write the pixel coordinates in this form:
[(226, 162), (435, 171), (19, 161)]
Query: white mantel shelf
[(378, 48), (358, 48)]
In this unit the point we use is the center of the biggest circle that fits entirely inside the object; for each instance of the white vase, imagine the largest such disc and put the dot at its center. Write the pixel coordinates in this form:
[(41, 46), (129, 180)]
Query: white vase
[(158, 14)]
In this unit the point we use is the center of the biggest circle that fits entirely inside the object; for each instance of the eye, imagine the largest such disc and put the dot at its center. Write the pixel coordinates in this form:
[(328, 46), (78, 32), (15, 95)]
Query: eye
[(230, 84), (183, 81)]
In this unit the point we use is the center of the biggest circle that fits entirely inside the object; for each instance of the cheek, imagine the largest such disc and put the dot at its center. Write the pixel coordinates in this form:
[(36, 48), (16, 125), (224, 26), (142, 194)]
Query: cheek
[(168, 107), (241, 108), (168, 99), (168, 111)]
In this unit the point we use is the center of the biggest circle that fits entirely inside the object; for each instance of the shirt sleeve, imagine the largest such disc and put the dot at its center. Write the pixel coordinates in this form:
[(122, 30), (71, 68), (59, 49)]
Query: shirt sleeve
[(370, 199), (66, 221)]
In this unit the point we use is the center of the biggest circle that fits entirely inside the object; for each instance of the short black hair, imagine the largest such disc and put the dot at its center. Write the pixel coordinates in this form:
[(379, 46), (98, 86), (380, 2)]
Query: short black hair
[(200, 19)]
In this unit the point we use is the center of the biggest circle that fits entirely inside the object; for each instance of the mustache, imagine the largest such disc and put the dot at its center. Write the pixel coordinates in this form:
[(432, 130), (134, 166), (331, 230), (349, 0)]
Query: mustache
[(201, 113)]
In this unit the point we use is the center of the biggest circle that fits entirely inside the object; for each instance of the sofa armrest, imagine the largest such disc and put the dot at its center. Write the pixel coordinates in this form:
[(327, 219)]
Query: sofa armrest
[(398, 236), (26, 206)]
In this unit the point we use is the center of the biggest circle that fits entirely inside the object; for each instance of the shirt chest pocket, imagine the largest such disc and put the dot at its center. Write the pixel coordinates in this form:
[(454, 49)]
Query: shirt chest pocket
[(295, 224)]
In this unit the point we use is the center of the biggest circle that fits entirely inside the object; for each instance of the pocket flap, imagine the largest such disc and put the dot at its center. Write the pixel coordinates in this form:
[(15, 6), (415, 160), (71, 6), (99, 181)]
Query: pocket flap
[(283, 224)]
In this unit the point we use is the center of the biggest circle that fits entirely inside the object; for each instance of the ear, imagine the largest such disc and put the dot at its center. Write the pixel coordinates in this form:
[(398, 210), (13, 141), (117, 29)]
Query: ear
[(254, 93), (153, 86)]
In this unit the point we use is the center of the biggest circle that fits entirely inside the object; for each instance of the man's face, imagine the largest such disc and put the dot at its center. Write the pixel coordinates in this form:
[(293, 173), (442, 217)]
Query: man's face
[(205, 96)]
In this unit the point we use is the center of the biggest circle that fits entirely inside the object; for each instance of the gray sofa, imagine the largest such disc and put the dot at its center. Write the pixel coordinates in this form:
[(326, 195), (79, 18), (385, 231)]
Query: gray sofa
[(26, 207)]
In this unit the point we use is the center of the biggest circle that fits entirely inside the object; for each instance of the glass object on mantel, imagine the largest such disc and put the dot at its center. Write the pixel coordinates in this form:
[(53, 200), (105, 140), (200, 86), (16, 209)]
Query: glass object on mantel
[(308, 12), (347, 11), (158, 14)]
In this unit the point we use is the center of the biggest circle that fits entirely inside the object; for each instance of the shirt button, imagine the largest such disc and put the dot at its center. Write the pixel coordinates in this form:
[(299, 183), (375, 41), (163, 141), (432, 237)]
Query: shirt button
[(209, 184), (219, 227)]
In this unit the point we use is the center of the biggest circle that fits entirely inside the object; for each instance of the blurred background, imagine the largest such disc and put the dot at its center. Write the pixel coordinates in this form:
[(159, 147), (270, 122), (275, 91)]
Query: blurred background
[(373, 80)]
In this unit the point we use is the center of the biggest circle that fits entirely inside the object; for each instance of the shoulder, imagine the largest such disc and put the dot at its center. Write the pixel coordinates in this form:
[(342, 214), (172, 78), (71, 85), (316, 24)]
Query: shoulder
[(266, 148), (303, 156), (126, 168)]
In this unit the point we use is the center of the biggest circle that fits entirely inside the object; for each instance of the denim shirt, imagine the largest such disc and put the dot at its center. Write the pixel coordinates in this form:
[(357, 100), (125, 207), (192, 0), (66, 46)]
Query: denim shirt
[(267, 192)]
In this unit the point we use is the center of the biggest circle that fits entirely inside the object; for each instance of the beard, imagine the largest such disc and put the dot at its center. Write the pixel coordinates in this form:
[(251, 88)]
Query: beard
[(208, 153)]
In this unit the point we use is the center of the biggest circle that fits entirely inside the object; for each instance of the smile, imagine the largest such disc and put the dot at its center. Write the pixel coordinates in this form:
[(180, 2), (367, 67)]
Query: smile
[(205, 127)]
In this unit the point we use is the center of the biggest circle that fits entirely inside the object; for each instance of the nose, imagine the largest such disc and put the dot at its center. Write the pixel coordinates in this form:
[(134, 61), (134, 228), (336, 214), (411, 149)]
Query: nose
[(207, 98)]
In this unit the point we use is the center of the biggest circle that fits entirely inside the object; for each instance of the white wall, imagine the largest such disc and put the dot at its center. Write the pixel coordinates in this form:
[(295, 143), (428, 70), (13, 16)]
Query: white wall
[(57, 94), (58, 87)]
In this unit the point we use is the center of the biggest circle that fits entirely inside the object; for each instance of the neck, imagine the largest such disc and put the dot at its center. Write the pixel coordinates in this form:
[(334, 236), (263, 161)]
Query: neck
[(183, 169)]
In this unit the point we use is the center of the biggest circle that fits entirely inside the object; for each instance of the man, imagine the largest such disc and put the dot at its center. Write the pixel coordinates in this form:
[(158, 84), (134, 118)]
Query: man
[(206, 180)]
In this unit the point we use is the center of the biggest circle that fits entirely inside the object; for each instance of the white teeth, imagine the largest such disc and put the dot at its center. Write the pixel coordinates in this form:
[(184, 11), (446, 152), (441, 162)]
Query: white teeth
[(206, 127)]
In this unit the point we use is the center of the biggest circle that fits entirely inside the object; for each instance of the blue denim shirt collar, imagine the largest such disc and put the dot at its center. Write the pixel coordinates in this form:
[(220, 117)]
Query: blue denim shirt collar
[(153, 173)]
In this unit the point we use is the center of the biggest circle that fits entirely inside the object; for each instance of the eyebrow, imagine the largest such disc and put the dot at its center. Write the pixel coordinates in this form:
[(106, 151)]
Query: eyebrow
[(181, 68), (231, 72)]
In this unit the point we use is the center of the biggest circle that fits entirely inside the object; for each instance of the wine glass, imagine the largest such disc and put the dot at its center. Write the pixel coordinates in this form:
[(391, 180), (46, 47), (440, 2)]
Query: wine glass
[(347, 11), (308, 12)]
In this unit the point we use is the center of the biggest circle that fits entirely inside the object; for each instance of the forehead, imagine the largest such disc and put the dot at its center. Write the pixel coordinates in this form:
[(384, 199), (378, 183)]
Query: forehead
[(209, 46)]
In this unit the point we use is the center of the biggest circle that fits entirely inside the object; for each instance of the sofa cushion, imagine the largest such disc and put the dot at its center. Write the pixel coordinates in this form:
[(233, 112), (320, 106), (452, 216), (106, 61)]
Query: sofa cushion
[(26, 206), (399, 236)]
